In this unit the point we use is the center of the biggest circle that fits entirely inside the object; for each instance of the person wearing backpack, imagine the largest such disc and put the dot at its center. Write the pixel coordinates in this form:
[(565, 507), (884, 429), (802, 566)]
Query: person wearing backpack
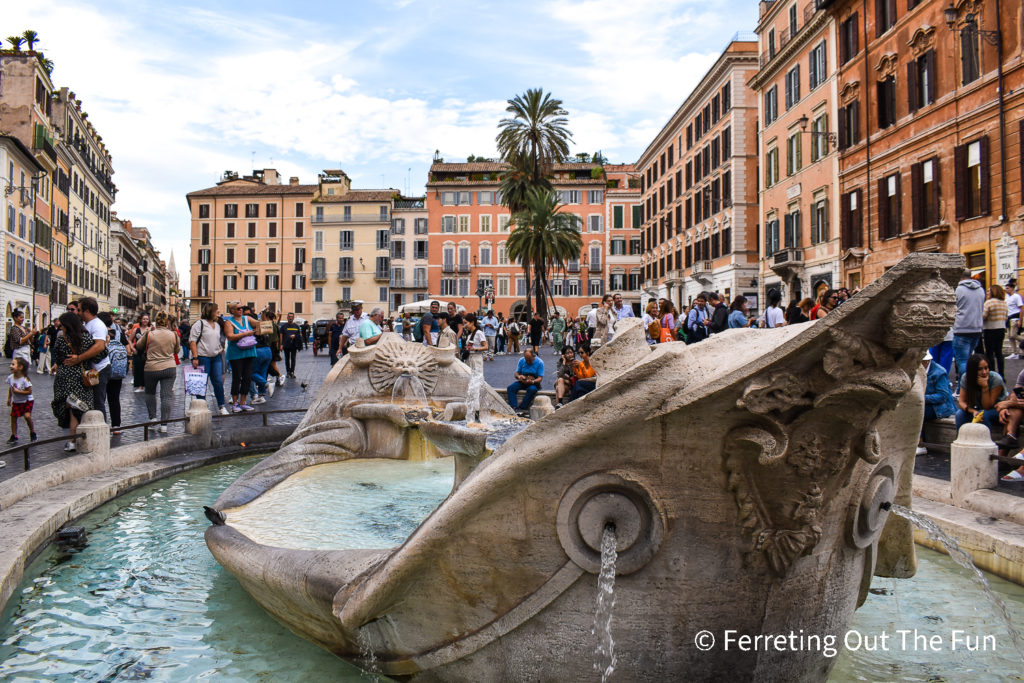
[(773, 315), (118, 355)]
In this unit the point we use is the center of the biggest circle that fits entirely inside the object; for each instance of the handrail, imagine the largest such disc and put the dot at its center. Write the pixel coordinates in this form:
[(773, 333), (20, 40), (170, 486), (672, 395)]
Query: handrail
[(31, 444), (264, 413)]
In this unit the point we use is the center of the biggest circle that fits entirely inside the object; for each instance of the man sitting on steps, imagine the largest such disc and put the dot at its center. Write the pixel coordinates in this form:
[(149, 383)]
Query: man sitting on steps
[(529, 374)]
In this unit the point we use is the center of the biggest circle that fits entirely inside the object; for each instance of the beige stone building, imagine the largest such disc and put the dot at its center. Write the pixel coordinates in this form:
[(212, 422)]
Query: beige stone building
[(251, 242), (409, 251), (351, 245)]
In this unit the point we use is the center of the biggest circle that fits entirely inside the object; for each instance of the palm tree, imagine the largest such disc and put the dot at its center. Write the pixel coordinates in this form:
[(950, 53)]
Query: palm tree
[(516, 184), (536, 136), (16, 42), (543, 239), (31, 37)]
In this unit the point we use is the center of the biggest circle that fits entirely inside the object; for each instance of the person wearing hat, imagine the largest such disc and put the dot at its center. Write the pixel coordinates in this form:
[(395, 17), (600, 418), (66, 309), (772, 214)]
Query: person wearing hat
[(351, 330), (938, 396)]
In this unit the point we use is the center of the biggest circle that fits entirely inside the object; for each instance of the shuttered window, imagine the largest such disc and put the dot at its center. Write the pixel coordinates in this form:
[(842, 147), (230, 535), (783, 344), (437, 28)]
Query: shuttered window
[(848, 39), (851, 216), (889, 206), (924, 179), (971, 163), (921, 81)]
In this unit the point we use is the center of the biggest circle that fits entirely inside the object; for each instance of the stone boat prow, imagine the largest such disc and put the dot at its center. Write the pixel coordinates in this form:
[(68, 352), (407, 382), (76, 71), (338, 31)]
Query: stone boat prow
[(748, 480)]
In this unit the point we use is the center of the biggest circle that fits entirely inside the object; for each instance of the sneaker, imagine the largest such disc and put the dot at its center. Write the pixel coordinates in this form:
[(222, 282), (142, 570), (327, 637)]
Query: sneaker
[(258, 400), (270, 389), (246, 408), (116, 432), (162, 429), (224, 410), (13, 438), (1013, 356), (32, 436), (921, 450), (280, 381), (1008, 442), (235, 408), (139, 390), (70, 447)]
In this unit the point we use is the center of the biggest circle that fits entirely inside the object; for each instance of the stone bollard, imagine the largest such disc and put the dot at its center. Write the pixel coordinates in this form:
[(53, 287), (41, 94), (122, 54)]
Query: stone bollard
[(970, 468), (540, 407), (96, 443), (200, 422)]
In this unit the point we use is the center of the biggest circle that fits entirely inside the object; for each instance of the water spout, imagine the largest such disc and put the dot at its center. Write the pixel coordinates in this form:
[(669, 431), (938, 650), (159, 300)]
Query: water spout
[(605, 650), (408, 391), (960, 556)]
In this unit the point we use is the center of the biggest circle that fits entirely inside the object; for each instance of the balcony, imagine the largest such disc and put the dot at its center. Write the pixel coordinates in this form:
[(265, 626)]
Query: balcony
[(343, 218), (410, 204), (318, 276), (572, 267), (463, 269), (397, 283), (345, 275), (448, 268), (787, 261), (382, 275), (419, 284), (702, 270)]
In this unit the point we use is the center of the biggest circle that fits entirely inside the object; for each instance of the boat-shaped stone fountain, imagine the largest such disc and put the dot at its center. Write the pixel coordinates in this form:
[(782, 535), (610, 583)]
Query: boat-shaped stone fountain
[(747, 481)]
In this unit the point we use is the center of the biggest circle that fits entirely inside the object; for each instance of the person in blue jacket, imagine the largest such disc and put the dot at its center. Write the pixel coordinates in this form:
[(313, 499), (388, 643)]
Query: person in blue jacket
[(938, 396)]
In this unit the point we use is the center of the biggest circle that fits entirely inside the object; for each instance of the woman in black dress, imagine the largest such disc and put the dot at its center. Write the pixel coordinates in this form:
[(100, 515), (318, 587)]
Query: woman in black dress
[(69, 388)]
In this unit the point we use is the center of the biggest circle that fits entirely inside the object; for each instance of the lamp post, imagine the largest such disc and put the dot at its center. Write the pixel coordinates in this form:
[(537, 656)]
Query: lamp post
[(830, 137)]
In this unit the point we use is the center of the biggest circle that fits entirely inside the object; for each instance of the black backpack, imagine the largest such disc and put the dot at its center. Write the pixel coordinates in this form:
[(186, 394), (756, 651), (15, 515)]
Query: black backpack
[(9, 345)]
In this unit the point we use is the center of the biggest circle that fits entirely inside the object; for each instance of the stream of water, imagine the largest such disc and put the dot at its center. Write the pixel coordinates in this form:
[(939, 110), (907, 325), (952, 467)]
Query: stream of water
[(605, 651)]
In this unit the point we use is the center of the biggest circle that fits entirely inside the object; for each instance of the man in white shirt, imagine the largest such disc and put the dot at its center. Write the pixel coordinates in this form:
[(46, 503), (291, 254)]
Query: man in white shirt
[(351, 330), (1014, 302), (490, 325), (97, 353)]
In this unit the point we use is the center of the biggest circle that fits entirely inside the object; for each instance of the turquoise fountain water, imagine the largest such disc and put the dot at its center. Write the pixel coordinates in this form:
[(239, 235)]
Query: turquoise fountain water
[(146, 600)]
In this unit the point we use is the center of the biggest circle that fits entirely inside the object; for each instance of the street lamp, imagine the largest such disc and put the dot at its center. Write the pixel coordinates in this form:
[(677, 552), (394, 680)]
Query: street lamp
[(829, 136), (951, 14)]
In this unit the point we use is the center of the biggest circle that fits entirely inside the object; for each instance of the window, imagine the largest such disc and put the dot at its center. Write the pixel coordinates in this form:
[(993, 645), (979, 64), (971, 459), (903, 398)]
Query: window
[(271, 210), (635, 246), (463, 223), (485, 255), (819, 220), (383, 239), (204, 210), (204, 233), (347, 240), (485, 197), (886, 102), (447, 223), (229, 255), (272, 255), (771, 103), (889, 206), (771, 167), (618, 217), (502, 286), (970, 64), (448, 286), (464, 286), (819, 137), (921, 81), (792, 86), (849, 125), (420, 249), (571, 196), (448, 198), (318, 268), (231, 211), (885, 16), (345, 269), (503, 222), (250, 255), (573, 288), (251, 281), (398, 249), (345, 210), (972, 179), (252, 210), (793, 227), (300, 257), (298, 210), (771, 237), (272, 281), (638, 219), (520, 287), (397, 226), (298, 228), (318, 240), (318, 295), (595, 223), (793, 154), (597, 196), (298, 281), (792, 20), (849, 38), (252, 230), (271, 228), (465, 198), (851, 219), (421, 226), (502, 254), (420, 277), (384, 214), (817, 66), (485, 223), (618, 246), (924, 178), (231, 282)]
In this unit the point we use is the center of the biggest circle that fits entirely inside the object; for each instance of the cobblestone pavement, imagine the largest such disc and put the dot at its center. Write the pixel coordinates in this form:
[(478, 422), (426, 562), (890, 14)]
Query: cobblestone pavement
[(311, 370)]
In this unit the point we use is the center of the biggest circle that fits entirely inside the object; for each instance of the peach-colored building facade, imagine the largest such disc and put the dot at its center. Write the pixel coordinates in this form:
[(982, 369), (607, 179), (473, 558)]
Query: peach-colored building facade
[(251, 243), (699, 188), (797, 93), (624, 220)]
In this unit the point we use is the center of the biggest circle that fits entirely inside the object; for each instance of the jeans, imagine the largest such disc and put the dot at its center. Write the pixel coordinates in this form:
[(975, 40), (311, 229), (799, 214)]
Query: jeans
[(517, 386), (582, 387), (991, 419), (289, 360), (942, 353), (994, 349), (214, 366), (499, 344), (114, 401), (259, 370), (963, 346), (165, 378), (241, 376), (99, 392)]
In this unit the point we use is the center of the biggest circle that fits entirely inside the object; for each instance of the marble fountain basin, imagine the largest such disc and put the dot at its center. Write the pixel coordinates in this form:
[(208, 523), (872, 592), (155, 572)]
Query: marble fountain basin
[(748, 478)]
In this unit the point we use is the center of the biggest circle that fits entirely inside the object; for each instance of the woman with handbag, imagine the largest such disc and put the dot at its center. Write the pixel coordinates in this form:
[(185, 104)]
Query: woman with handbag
[(206, 347), (161, 344), (241, 335), (71, 396), (138, 356)]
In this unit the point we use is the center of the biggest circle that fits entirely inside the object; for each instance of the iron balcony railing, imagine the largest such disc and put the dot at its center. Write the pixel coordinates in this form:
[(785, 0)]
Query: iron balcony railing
[(345, 275)]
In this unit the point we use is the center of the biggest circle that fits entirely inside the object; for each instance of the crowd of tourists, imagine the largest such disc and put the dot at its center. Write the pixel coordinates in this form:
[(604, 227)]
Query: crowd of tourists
[(90, 354)]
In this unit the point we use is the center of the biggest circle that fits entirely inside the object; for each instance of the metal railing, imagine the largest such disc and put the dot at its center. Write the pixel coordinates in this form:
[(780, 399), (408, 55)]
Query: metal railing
[(345, 275), (32, 444), (463, 268)]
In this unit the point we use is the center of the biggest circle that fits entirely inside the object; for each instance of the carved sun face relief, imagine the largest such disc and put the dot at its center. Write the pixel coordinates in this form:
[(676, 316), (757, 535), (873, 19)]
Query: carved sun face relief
[(395, 358)]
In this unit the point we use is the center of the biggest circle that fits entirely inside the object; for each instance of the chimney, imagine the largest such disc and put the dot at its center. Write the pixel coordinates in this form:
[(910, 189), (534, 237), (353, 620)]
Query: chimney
[(270, 176), (294, 180)]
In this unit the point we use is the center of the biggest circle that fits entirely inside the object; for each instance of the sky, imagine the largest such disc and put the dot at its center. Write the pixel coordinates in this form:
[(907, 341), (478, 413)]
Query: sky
[(182, 92)]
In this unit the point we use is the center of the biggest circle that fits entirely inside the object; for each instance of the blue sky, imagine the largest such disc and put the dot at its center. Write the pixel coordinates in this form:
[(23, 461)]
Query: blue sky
[(181, 92)]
